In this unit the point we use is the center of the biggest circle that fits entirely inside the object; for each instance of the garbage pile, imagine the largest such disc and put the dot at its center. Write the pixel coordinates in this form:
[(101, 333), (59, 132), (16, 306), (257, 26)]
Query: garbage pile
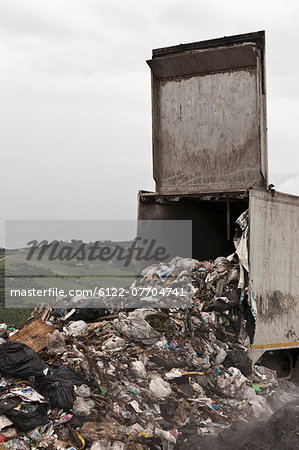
[(140, 378)]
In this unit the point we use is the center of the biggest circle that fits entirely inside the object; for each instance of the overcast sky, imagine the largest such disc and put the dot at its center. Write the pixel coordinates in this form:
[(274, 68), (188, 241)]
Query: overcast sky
[(75, 109)]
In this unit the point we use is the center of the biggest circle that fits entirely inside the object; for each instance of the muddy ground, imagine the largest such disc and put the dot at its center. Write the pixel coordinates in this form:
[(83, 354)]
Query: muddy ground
[(280, 432)]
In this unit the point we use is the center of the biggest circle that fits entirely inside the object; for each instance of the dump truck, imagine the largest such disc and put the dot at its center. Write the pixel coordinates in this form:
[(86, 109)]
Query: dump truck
[(210, 163)]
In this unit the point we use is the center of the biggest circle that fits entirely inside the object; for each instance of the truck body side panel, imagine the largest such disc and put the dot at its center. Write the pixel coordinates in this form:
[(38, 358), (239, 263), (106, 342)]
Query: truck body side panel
[(274, 269)]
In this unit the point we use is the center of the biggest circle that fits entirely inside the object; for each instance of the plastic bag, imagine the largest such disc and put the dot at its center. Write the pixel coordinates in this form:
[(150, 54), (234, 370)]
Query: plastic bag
[(136, 328), (103, 444), (139, 369), (159, 387), (59, 391), (220, 357), (83, 391), (55, 342), (114, 344), (25, 416), (66, 372), (240, 360), (3, 330), (173, 373), (260, 408), (58, 386), (76, 328), (4, 422), (80, 407), (20, 361), (232, 384)]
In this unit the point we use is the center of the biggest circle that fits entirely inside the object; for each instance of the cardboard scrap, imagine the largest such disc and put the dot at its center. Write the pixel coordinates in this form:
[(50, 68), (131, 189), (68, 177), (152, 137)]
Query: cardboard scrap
[(34, 335)]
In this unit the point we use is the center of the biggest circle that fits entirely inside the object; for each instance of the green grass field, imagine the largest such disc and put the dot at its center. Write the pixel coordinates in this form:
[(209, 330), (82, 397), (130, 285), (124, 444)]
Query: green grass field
[(11, 316), (63, 275)]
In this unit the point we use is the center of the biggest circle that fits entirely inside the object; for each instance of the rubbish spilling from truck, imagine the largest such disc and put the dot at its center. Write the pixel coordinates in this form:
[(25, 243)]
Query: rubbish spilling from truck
[(139, 378), (176, 364)]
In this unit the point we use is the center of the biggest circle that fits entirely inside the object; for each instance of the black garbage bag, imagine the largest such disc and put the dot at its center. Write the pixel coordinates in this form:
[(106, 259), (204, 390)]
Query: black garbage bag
[(20, 361), (78, 421), (24, 415), (90, 309), (29, 416), (228, 300), (58, 386), (59, 391), (66, 372), (87, 310), (240, 359), (6, 404)]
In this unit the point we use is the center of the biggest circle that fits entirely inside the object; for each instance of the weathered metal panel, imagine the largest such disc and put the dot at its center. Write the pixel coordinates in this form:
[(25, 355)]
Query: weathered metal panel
[(226, 41), (209, 124), (204, 61), (274, 273)]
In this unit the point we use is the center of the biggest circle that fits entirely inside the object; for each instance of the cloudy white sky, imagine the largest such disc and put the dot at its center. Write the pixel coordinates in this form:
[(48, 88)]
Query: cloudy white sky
[(75, 108)]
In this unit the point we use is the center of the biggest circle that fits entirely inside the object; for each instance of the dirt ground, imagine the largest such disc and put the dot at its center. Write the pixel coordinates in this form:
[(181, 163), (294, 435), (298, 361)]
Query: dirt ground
[(280, 432)]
